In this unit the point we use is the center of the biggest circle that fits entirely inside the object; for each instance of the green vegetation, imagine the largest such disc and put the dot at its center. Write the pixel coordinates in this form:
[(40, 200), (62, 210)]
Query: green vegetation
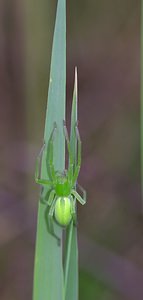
[(54, 277), (92, 288), (48, 272)]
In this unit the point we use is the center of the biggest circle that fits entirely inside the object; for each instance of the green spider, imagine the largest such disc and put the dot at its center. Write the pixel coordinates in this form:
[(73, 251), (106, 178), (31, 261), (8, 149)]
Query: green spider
[(62, 196)]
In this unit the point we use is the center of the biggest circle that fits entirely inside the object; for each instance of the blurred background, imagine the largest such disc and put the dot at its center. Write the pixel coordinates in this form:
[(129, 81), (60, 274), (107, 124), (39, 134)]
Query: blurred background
[(103, 40)]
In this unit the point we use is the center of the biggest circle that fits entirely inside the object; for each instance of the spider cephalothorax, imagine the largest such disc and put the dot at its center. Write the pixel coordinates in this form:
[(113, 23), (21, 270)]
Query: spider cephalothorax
[(62, 197), (62, 186)]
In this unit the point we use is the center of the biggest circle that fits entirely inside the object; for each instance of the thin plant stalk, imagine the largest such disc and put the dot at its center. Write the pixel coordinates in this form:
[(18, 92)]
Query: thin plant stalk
[(71, 254)]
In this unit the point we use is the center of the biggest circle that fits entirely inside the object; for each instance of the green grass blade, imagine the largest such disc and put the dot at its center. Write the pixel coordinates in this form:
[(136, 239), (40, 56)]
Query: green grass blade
[(71, 287), (48, 270), (71, 257), (68, 253), (74, 117)]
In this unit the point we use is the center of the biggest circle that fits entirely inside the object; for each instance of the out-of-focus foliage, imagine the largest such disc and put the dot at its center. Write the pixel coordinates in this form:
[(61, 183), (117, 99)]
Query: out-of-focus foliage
[(92, 288), (103, 41)]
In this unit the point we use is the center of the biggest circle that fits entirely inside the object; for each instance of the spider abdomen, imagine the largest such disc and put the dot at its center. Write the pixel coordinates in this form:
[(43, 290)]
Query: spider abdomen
[(63, 211)]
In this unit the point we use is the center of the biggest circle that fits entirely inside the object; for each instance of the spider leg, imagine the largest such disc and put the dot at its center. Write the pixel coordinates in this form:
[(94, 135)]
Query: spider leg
[(43, 198), (38, 178), (73, 210), (83, 191), (51, 202), (78, 197), (50, 221), (70, 168), (48, 195), (49, 160), (51, 197), (77, 168)]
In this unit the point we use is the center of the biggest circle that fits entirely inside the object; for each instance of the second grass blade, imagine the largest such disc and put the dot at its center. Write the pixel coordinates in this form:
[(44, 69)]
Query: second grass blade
[(71, 253)]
